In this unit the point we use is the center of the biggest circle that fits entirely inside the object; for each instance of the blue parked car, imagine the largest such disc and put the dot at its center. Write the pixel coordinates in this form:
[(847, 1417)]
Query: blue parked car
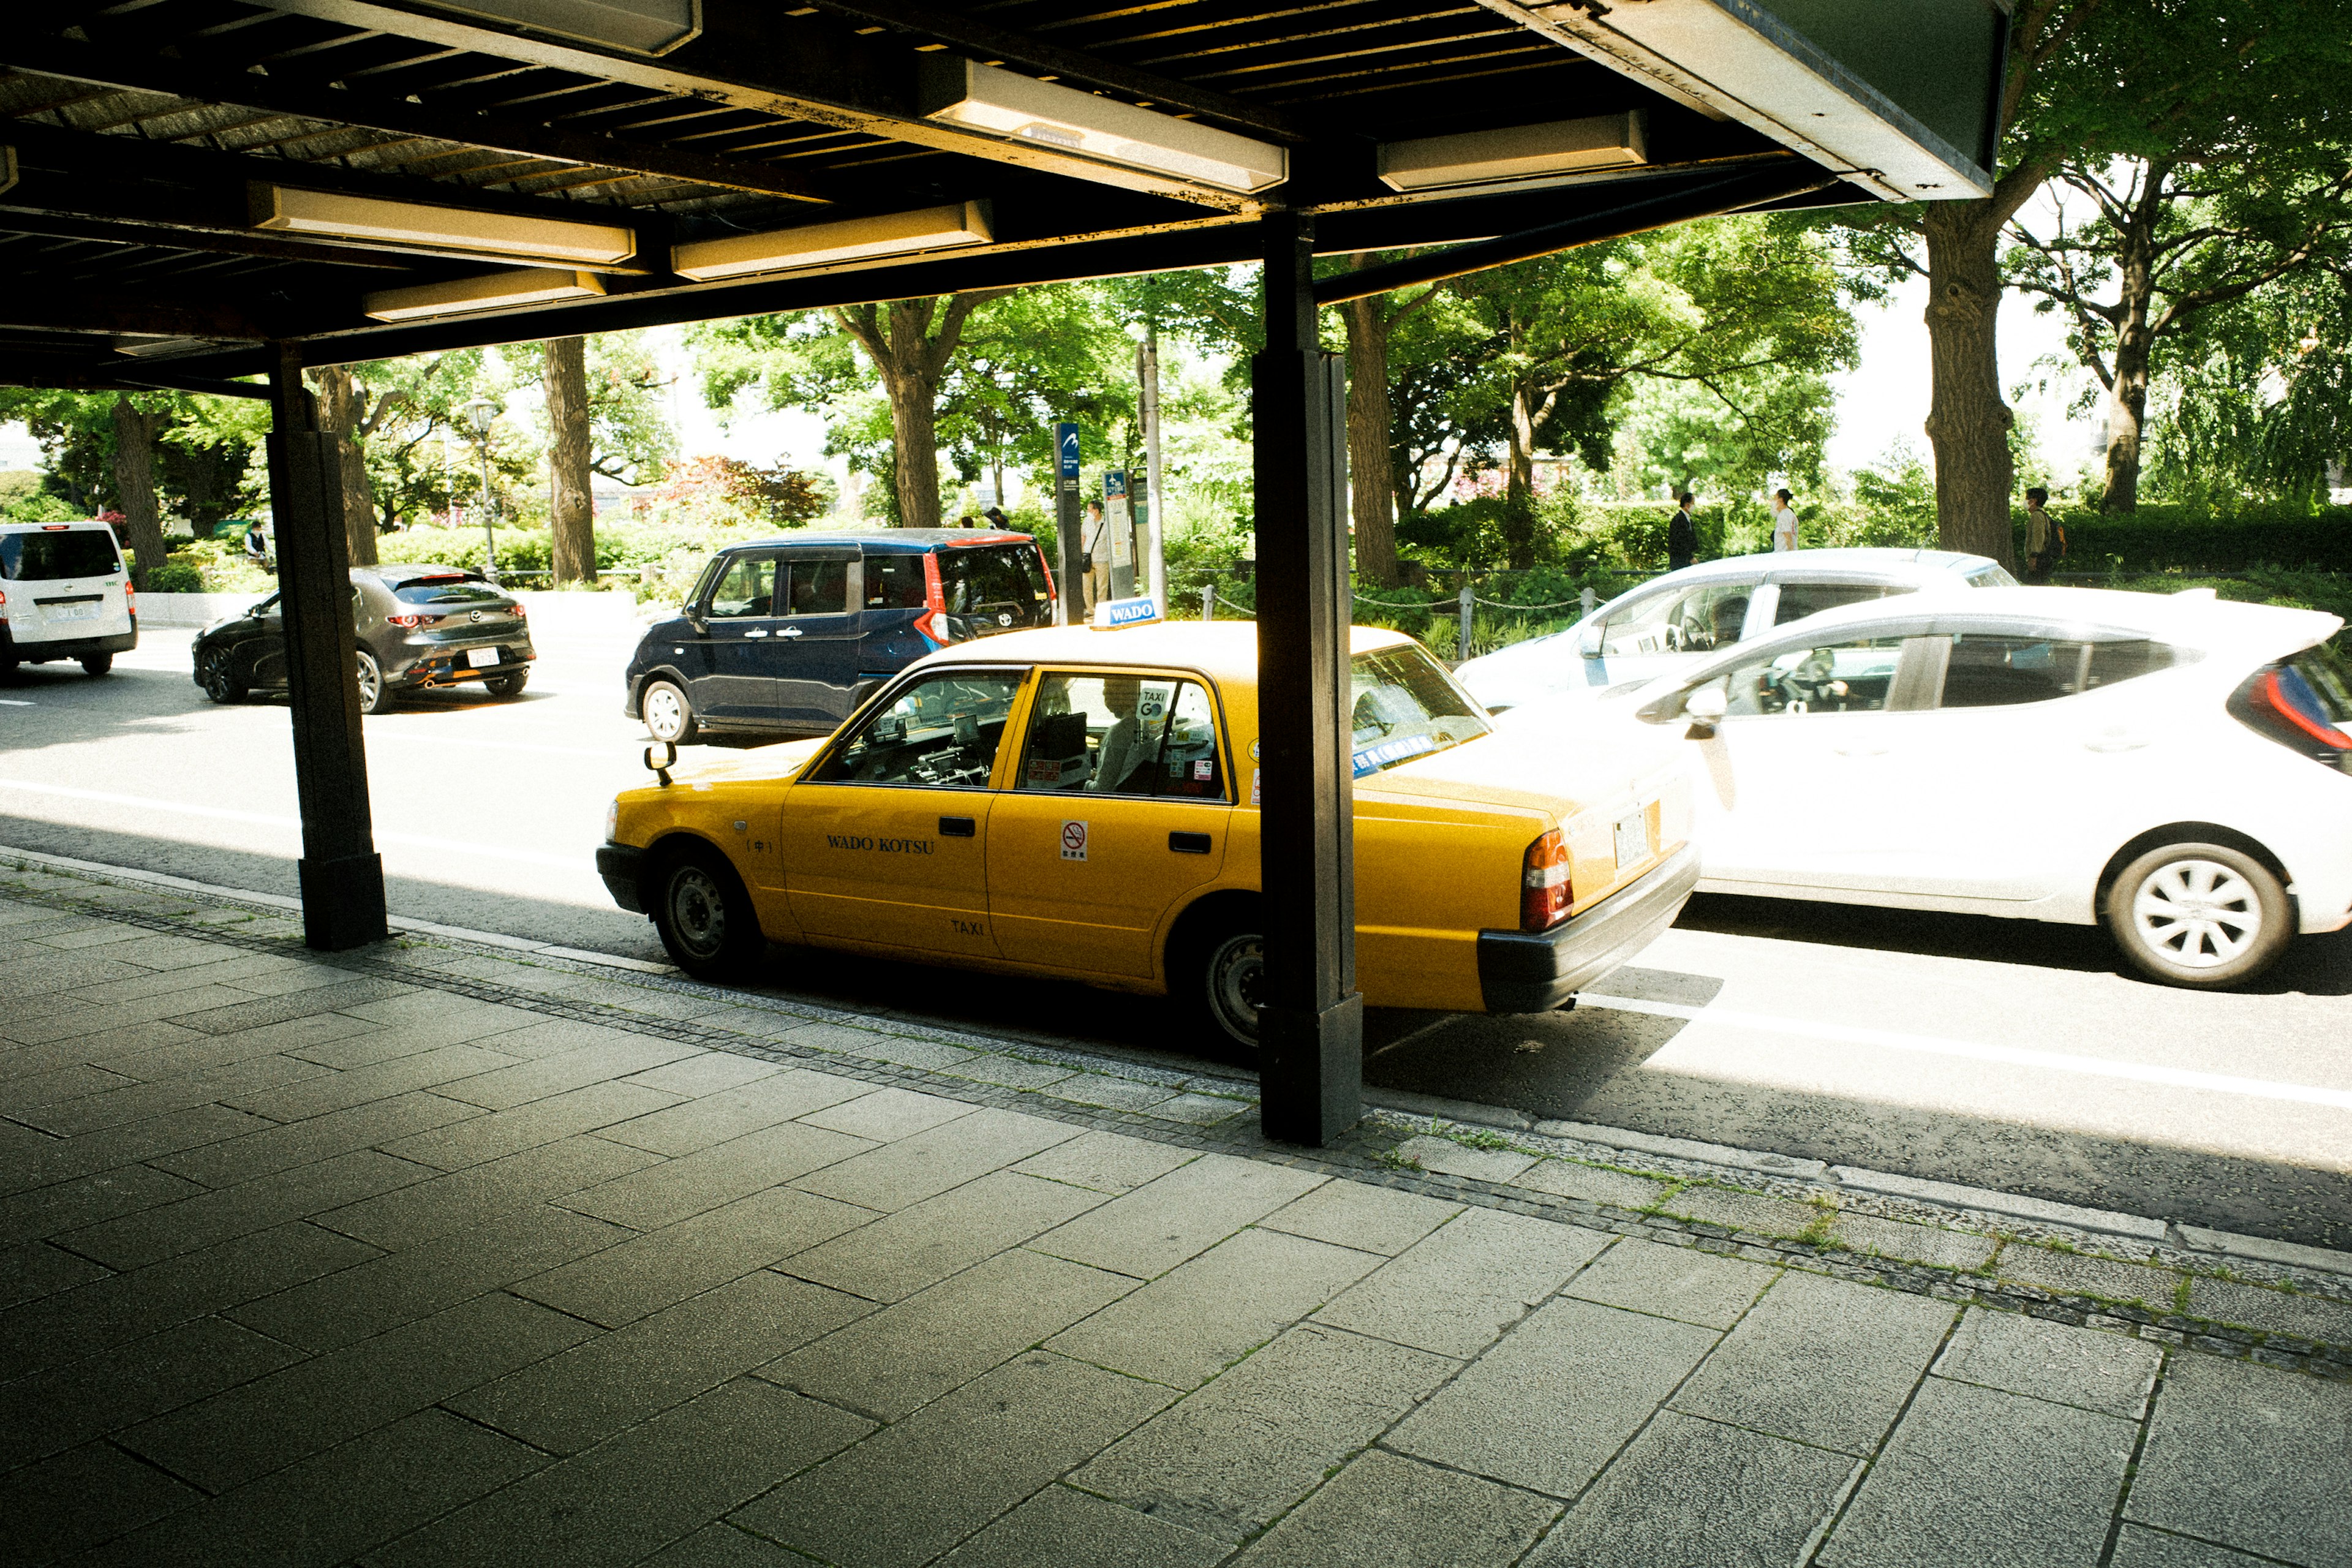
[(784, 636)]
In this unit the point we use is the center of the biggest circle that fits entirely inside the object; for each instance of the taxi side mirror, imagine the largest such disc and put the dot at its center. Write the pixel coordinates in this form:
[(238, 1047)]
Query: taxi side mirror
[(660, 768), (1704, 708)]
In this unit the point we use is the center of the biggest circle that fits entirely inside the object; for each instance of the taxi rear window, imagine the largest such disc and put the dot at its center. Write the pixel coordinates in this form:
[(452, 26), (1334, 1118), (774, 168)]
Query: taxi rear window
[(1406, 705)]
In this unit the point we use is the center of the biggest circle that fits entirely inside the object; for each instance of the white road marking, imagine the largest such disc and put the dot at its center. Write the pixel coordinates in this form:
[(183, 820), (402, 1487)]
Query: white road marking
[(583, 862), (1969, 1051), (13, 702), (397, 741)]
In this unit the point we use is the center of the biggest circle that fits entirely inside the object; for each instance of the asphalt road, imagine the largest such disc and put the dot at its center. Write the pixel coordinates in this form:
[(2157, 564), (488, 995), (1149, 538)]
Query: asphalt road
[(1992, 1053)]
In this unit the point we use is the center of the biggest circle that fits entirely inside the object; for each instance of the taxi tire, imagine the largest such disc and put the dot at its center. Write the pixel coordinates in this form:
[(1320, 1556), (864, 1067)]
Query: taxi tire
[(705, 918), (687, 730), (1214, 967), (2238, 882)]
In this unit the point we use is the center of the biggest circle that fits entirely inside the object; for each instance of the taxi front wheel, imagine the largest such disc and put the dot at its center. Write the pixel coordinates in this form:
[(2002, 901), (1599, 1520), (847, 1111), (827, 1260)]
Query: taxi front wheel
[(1227, 975), (705, 918)]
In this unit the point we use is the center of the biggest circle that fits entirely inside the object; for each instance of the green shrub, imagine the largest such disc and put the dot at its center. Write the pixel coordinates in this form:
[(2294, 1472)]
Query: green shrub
[(2161, 538), (177, 574)]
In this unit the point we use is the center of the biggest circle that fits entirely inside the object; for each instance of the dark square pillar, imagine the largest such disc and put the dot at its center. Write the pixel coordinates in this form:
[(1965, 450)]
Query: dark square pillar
[(341, 875), (1310, 1023)]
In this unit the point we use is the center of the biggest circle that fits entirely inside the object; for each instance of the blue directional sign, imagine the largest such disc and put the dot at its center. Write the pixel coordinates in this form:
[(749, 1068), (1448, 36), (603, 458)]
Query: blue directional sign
[(1066, 442), (1113, 482)]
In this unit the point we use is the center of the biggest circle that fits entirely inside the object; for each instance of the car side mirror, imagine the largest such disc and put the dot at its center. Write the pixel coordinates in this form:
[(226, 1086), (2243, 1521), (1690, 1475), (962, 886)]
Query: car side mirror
[(1704, 708), (1588, 646)]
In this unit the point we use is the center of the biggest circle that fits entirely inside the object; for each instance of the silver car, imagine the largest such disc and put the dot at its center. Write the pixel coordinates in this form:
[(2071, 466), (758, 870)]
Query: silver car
[(1678, 619)]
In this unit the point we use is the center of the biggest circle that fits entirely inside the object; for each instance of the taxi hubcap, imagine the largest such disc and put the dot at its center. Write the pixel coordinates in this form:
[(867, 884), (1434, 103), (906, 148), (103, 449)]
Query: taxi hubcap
[(1237, 972), (2200, 914), (697, 911)]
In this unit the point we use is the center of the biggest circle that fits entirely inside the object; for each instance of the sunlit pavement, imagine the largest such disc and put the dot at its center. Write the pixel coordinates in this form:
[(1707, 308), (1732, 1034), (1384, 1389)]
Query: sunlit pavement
[(1999, 1055)]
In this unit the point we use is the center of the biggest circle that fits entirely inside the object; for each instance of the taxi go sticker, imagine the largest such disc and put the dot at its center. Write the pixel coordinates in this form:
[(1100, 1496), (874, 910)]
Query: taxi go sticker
[(1074, 841)]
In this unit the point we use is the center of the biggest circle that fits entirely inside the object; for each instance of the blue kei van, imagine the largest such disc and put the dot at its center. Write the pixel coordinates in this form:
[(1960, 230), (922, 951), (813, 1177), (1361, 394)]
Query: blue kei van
[(783, 636)]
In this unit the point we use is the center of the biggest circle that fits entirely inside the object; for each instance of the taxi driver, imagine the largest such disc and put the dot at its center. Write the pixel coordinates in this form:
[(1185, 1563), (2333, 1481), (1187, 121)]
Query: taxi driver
[(1123, 746)]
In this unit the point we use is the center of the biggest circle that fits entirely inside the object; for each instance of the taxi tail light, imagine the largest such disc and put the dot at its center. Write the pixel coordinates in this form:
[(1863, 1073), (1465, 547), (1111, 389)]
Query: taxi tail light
[(1545, 890), (2269, 705)]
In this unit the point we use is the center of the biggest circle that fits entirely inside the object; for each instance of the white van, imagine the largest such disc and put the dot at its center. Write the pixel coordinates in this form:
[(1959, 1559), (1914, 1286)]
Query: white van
[(63, 595)]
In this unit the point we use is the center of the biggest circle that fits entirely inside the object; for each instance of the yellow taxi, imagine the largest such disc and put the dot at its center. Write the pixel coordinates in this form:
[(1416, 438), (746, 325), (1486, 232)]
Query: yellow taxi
[(1082, 803)]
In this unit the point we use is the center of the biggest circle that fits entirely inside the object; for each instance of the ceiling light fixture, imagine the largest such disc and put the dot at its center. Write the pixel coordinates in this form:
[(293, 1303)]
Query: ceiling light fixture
[(1515, 156), (335, 215), (815, 244), (641, 26), (1005, 103), (494, 291)]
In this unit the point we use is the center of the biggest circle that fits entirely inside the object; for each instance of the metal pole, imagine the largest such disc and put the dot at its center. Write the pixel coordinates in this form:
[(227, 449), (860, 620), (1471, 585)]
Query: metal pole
[(1154, 496), (1068, 543), (1462, 643), (1209, 600), (489, 510)]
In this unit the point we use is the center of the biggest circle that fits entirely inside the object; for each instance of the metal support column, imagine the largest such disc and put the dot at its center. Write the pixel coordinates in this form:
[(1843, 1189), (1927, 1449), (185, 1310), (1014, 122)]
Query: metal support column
[(341, 875), (1311, 1020)]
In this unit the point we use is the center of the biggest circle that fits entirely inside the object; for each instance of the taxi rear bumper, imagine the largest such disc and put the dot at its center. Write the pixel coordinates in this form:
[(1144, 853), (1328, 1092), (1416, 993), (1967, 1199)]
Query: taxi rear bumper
[(1535, 972), (621, 865)]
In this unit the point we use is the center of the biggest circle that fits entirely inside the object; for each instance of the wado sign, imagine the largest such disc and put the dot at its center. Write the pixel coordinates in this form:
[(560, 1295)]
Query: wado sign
[(1126, 612)]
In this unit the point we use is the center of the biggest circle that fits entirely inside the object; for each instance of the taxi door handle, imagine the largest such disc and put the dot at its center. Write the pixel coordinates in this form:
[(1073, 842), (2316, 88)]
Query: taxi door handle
[(1189, 843), (958, 828)]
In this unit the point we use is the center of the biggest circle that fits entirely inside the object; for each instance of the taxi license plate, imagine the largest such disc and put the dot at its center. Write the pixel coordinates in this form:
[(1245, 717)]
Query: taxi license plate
[(73, 612), (482, 658), (1633, 839)]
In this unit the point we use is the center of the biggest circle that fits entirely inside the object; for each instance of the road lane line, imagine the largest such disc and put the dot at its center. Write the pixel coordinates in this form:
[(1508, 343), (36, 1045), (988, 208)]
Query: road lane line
[(1969, 1051), (582, 861), (13, 702)]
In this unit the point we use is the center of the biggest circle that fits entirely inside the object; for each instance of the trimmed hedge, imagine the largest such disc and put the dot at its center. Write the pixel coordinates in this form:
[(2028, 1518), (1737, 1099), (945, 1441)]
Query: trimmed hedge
[(2171, 539)]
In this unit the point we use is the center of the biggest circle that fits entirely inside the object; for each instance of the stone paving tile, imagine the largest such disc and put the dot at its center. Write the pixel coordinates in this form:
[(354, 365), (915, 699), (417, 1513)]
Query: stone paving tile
[(916, 1487), (1975, 1475), (1744, 1211), (338, 1090), (1234, 1456), (707, 1072), (1358, 1215), (52, 1410), (307, 1142), (20, 1097), (148, 1060), (908, 1251), (1821, 1361), (401, 1287), (2098, 1371), (1203, 1315), (242, 969), (504, 1132), (722, 1545), (157, 950), (331, 1505), (677, 1189), (258, 1204), (1200, 1110), (249, 1012), (17, 1061), (1385, 1511), (122, 1308), (645, 999), (78, 1022), (931, 1161), (886, 1115), (1106, 1162), (646, 1273), (81, 1498), (48, 1160), (1112, 1093), (1451, 1159), (2236, 1455), (52, 973), (538, 1079), (1455, 1292), (760, 1022), (35, 1270), (634, 1493), (1679, 1282), (1179, 1215), (2087, 1274), (2137, 1546), (409, 1215), (1548, 1407), (144, 1101), (1914, 1243), (903, 1357), (543, 1038), (270, 1423), (2275, 1311), (577, 1399), (431, 1020), (1012, 1072), (1071, 1530), (1735, 1497), (86, 1200), (730, 1113), (515, 974), (876, 1046)]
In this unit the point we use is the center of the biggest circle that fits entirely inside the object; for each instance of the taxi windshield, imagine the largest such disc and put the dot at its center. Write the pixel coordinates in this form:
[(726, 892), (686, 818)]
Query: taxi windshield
[(1406, 705)]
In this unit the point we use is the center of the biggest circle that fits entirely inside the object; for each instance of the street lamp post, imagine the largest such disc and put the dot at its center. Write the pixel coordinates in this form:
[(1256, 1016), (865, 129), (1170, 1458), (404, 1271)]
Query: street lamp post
[(481, 413)]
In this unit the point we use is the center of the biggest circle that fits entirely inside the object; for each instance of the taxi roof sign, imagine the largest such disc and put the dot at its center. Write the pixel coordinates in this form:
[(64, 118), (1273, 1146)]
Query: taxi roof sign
[(1111, 613)]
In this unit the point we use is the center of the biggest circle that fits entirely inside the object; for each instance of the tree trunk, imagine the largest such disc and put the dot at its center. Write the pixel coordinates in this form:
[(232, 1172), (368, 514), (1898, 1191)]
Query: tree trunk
[(134, 487), (1969, 421), (340, 411), (2135, 343), (914, 438), (1519, 483), (1371, 484), (571, 508)]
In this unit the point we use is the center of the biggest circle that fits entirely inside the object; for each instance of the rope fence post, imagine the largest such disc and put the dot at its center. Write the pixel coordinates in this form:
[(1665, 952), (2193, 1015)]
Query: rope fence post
[(1463, 644), (1209, 600), (1584, 602)]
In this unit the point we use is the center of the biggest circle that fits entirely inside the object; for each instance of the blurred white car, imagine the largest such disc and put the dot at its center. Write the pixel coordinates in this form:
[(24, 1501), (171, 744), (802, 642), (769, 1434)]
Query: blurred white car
[(2177, 767), (1672, 622)]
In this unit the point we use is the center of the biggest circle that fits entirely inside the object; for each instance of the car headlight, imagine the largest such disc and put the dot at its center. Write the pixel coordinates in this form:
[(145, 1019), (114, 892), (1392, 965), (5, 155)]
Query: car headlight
[(613, 820)]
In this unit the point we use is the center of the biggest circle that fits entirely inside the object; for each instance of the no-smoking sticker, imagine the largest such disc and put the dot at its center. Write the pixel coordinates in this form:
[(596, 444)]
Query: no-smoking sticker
[(1074, 841)]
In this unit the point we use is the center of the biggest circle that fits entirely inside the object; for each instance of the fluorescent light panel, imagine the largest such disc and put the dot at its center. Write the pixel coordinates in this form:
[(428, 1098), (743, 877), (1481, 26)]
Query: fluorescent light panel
[(1005, 103), (338, 217), (494, 291), (825, 244), (1518, 155)]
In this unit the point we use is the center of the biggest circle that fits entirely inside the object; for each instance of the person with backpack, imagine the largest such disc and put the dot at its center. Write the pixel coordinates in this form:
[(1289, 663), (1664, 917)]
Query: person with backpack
[(2045, 540)]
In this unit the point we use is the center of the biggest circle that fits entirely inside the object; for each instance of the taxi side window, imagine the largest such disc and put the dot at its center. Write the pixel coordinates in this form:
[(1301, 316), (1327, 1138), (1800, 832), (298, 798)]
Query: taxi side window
[(940, 733), (747, 589), (1851, 677), (1123, 735)]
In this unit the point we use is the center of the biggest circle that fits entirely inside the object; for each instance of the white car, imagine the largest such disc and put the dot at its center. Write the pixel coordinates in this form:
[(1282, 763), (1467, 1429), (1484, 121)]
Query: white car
[(2177, 767), (64, 594), (1672, 622)]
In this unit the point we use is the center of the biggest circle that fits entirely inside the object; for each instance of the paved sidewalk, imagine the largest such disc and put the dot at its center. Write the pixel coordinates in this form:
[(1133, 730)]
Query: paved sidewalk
[(429, 1256)]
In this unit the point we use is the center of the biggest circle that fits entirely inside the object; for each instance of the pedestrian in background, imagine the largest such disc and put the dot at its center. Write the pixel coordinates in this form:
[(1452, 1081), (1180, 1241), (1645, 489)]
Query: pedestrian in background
[(2041, 536), (996, 518), (1784, 522), (1097, 542), (1682, 534)]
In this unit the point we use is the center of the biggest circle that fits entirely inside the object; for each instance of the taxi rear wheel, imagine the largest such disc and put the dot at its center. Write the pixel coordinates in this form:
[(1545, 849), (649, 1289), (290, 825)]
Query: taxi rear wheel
[(1227, 977), (705, 918), (2204, 916)]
